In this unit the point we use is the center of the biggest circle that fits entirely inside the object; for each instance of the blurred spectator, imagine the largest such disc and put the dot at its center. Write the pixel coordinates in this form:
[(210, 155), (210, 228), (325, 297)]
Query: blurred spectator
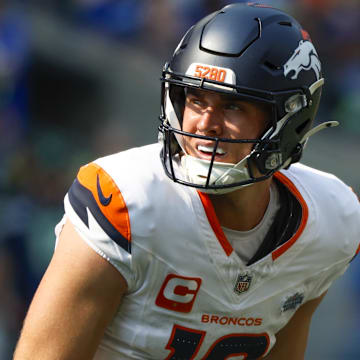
[(16, 282), (14, 57), (121, 19), (334, 25)]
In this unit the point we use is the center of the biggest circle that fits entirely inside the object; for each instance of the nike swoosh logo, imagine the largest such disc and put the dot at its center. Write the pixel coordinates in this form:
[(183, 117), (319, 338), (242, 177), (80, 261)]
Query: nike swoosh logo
[(105, 201)]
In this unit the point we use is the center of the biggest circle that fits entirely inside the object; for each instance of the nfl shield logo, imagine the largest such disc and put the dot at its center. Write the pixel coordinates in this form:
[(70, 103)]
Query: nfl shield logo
[(242, 283)]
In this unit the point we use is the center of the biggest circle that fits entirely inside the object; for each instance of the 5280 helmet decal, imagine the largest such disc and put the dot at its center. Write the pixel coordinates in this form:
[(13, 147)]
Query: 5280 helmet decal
[(304, 57)]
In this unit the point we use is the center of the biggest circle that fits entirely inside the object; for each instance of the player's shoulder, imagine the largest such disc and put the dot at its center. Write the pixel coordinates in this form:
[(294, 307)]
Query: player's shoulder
[(322, 186), (109, 185), (137, 167), (140, 153), (133, 160), (333, 211), (128, 170), (300, 169)]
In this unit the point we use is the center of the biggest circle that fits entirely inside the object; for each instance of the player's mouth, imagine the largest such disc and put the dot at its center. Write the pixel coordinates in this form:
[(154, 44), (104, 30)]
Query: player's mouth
[(206, 152)]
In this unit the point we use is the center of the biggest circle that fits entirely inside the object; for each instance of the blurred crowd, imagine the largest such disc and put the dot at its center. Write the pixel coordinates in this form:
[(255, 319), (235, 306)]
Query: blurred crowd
[(65, 64)]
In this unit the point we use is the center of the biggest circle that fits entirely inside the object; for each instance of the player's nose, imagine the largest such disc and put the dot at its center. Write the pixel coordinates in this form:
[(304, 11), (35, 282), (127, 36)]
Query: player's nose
[(210, 122)]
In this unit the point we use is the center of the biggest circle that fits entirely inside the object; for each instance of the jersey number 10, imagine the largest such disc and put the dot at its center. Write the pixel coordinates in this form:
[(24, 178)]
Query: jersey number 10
[(185, 343)]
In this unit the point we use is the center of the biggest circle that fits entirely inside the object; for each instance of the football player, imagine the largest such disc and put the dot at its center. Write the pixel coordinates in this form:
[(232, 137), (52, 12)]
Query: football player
[(216, 242)]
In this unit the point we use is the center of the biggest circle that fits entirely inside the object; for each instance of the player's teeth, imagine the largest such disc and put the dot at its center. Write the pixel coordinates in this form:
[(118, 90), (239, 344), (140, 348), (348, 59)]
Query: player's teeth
[(210, 149)]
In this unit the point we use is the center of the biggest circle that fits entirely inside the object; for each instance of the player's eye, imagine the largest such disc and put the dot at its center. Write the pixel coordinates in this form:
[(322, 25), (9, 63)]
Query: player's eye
[(195, 101), (233, 106)]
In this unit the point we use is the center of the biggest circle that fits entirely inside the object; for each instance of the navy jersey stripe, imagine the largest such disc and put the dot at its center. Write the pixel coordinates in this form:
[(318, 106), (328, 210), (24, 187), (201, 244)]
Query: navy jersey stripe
[(81, 198)]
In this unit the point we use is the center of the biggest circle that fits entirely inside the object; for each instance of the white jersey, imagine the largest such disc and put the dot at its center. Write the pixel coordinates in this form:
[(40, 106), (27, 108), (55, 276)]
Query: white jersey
[(189, 294)]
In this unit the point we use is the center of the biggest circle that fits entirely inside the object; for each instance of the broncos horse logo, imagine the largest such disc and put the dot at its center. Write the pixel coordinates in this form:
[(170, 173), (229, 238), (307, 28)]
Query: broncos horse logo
[(304, 57)]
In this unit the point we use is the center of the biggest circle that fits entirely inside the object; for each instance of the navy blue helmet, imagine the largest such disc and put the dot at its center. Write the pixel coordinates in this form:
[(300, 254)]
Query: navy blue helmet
[(256, 53)]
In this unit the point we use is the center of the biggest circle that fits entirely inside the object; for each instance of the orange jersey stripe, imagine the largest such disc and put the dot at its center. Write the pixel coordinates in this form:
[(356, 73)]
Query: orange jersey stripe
[(358, 250), (305, 214), (107, 196), (214, 222)]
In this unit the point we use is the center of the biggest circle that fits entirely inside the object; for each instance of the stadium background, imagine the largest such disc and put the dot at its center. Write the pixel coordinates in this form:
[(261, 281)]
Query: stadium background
[(80, 79)]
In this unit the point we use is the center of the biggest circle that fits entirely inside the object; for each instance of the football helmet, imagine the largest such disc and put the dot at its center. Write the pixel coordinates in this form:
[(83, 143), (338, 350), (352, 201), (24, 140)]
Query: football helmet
[(259, 54)]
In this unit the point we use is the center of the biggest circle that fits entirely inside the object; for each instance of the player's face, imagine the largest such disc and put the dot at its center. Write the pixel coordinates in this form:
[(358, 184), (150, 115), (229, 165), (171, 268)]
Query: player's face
[(217, 115)]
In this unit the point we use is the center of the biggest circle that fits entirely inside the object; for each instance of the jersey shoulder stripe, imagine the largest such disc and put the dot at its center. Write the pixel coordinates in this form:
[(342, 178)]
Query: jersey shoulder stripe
[(95, 189), (304, 218)]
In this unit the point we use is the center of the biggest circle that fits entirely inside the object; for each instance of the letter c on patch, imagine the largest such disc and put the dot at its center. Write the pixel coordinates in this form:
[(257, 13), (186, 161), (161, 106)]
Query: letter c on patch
[(178, 293)]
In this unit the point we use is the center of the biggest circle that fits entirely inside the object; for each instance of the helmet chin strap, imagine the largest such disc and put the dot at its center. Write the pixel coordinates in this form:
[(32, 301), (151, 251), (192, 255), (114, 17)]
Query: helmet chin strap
[(197, 171)]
